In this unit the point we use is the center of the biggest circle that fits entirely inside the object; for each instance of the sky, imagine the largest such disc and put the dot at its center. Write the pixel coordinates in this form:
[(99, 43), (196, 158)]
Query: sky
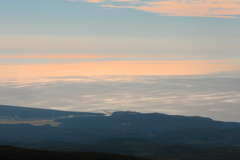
[(179, 57)]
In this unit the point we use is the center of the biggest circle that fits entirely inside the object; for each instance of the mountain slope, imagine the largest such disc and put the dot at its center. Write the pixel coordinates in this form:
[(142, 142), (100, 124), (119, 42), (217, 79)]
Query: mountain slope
[(140, 121), (15, 112), (91, 128)]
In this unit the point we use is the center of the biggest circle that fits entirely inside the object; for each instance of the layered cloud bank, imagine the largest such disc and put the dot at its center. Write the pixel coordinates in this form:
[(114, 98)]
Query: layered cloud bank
[(188, 8), (215, 96)]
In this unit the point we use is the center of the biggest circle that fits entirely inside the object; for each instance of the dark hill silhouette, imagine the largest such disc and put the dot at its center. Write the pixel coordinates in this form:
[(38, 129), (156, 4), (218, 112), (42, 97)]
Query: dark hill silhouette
[(118, 120), (140, 121), (125, 146), (93, 128)]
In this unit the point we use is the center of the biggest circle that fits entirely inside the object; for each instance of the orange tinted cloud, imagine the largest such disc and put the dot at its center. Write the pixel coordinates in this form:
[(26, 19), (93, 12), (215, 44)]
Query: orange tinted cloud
[(118, 68), (194, 9), (189, 8)]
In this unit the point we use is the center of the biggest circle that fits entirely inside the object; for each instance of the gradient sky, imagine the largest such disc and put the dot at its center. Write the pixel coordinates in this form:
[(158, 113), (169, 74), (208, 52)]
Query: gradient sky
[(44, 42)]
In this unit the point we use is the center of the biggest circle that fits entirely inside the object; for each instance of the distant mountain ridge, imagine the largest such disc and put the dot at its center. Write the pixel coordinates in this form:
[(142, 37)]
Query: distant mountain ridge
[(146, 121), (126, 120), (92, 128), (15, 112)]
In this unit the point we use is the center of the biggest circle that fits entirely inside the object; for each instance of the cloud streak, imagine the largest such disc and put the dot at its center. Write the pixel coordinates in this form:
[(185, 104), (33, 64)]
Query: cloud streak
[(20, 47), (186, 8), (80, 56), (56, 56)]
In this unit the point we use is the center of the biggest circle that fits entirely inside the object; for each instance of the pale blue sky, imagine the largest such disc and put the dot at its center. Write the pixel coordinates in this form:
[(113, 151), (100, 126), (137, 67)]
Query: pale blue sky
[(67, 18), (218, 38), (42, 40)]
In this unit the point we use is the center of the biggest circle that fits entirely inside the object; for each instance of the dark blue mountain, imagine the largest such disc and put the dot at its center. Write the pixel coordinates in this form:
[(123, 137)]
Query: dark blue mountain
[(140, 121)]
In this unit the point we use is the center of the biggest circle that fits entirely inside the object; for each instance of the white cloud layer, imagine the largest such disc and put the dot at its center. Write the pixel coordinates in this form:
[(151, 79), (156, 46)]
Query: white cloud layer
[(217, 97)]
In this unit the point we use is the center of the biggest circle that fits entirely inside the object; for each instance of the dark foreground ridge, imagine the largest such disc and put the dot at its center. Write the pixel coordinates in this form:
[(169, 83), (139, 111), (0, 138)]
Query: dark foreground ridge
[(155, 152), (14, 153)]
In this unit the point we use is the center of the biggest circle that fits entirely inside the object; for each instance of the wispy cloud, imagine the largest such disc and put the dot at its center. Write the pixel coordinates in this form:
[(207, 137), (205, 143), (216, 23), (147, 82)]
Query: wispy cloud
[(188, 8)]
